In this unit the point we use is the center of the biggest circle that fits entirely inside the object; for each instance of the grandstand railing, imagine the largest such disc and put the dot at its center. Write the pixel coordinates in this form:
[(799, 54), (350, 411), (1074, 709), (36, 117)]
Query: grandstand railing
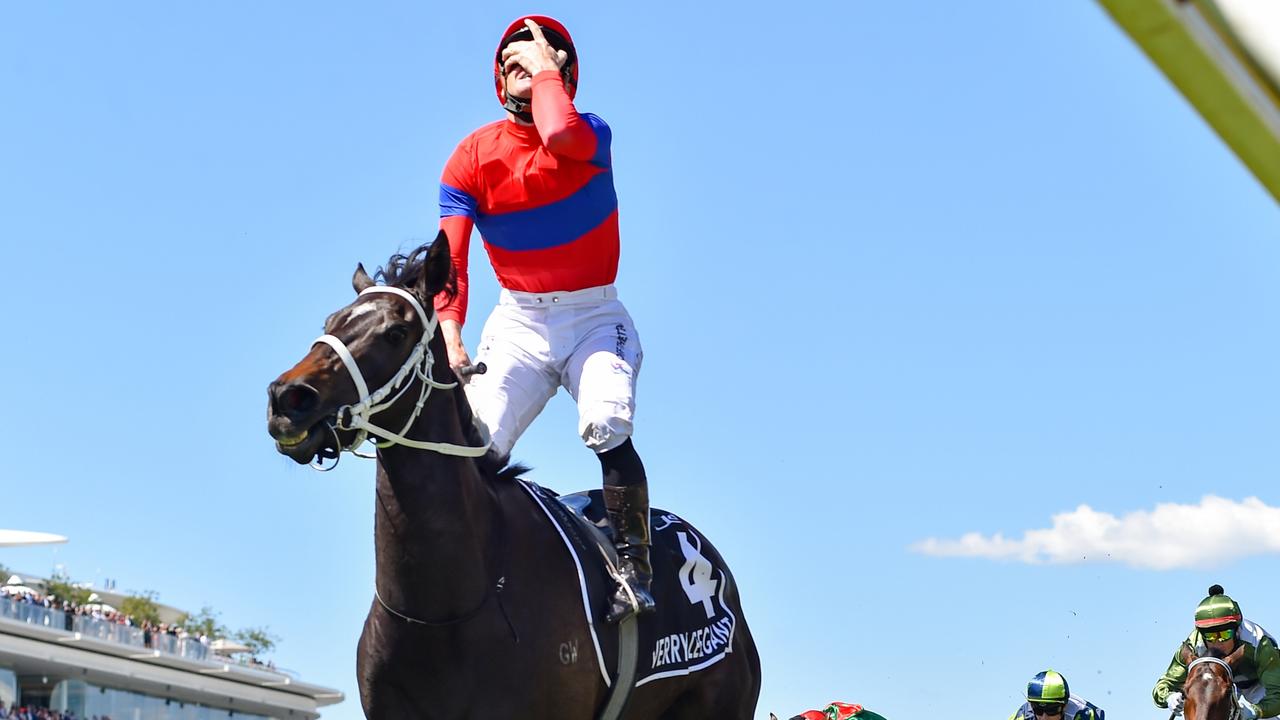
[(188, 647)]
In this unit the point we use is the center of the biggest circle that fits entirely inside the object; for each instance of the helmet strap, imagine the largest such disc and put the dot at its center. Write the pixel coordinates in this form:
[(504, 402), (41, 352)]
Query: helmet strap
[(518, 107)]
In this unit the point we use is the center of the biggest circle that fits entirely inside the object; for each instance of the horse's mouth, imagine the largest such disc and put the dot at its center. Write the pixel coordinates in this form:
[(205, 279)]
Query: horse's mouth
[(315, 442), (292, 441)]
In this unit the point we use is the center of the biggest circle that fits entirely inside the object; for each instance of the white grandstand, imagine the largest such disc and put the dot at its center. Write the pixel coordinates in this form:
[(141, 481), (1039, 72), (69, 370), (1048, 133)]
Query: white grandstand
[(93, 668)]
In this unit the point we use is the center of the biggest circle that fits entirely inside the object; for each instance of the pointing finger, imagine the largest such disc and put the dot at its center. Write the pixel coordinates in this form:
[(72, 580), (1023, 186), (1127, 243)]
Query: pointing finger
[(538, 37)]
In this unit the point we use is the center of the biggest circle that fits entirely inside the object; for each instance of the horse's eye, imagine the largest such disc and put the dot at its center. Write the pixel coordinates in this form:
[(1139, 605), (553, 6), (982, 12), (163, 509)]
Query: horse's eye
[(397, 334)]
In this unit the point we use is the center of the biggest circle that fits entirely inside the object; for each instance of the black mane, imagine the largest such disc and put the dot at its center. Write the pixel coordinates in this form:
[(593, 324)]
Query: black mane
[(511, 472), (405, 271)]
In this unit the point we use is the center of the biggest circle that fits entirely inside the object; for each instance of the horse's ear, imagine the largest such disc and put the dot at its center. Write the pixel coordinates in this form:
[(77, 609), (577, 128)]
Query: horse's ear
[(435, 276), (1235, 655), (361, 280), (772, 716), (1188, 653)]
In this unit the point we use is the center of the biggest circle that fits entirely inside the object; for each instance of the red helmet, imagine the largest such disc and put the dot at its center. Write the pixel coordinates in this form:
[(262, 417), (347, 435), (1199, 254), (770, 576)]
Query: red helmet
[(557, 36)]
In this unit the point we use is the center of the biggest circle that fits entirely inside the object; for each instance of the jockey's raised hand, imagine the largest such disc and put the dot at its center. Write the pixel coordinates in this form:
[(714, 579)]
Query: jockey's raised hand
[(534, 55)]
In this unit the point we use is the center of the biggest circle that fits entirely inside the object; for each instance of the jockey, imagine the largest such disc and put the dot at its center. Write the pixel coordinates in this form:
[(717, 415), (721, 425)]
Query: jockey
[(1220, 630), (539, 185), (1049, 698), (836, 711)]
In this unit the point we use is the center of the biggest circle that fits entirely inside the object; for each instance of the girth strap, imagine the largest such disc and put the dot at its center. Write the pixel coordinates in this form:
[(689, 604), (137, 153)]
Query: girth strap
[(566, 521), (628, 650)]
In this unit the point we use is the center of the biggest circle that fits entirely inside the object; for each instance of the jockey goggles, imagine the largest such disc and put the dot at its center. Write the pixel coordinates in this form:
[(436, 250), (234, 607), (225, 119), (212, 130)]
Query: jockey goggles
[(1049, 709), (1217, 635)]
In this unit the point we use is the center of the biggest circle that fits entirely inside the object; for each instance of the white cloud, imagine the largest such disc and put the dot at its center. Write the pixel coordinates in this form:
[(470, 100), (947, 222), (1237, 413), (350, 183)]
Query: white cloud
[(1171, 536)]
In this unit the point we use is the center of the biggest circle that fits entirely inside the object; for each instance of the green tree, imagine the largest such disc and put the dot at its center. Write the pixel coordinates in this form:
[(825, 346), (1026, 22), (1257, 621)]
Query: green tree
[(61, 587), (4, 574), (142, 607), (204, 622), (258, 640)]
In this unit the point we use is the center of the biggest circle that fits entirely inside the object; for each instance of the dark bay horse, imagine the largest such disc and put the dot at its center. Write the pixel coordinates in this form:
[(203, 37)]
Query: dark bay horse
[(477, 610), (1208, 692)]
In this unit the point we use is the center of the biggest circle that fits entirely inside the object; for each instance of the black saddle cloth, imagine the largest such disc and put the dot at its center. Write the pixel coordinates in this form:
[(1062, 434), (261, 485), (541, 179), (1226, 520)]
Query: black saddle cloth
[(693, 626)]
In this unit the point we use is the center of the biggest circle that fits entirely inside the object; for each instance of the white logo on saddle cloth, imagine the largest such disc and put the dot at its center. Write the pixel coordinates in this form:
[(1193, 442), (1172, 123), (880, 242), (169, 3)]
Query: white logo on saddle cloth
[(689, 647), (695, 576), (664, 522)]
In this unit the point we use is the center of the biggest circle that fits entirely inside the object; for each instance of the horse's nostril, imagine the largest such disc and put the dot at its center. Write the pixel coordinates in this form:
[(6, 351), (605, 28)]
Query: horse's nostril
[(294, 400)]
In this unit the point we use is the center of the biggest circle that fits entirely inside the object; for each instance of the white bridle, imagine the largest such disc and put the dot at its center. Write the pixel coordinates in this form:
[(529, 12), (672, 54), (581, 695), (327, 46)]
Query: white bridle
[(417, 365), (1235, 708), (1215, 661)]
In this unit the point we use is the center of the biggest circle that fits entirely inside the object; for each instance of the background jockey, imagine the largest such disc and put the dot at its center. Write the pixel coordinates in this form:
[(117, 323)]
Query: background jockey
[(836, 711), (1221, 629), (539, 185), (1049, 698)]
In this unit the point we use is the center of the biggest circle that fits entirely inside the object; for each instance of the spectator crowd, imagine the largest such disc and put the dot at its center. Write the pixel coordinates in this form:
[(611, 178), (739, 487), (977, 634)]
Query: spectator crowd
[(152, 633), (100, 612), (18, 712)]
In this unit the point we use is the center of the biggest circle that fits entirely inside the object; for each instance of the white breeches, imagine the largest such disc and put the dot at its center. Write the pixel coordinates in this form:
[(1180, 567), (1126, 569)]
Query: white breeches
[(536, 343)]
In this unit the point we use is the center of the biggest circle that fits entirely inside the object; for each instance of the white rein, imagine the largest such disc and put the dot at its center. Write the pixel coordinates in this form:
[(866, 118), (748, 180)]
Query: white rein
[(417, 365)]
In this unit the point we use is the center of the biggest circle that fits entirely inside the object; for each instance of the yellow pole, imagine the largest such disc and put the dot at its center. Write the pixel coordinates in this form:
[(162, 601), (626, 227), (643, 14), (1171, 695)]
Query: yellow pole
[(1187, 40)]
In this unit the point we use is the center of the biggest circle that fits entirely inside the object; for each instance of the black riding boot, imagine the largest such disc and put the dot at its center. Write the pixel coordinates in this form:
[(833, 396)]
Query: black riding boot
[(626, 500)]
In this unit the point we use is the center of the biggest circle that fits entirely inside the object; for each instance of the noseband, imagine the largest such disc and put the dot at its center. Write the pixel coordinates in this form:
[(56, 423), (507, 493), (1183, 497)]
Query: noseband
[(357, 416)]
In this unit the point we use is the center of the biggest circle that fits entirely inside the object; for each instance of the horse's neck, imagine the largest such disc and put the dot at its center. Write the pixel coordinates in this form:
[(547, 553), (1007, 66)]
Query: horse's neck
[(432, 530)]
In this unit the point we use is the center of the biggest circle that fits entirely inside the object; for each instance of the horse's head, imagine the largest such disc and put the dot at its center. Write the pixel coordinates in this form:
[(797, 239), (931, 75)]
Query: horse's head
[(1207, 690), (372, 352)]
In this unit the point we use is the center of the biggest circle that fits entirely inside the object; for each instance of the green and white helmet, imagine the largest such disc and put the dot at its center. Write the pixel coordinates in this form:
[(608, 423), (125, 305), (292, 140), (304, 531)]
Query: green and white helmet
[(1048, 687), (1217, 610)]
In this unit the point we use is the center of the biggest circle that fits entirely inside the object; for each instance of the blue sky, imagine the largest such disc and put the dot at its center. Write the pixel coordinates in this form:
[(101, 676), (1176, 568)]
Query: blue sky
[(902, 271)]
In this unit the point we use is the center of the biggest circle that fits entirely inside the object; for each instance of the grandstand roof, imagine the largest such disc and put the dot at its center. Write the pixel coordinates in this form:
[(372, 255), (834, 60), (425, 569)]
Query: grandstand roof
[(14, 538)]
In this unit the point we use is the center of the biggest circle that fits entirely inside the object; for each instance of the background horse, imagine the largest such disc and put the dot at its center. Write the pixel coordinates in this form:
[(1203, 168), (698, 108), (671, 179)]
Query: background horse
[(477, 609), (1208, 692), (836, 711)]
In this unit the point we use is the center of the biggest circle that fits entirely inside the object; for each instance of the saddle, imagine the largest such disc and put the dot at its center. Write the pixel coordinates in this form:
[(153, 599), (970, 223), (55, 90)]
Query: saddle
[(692, 628)]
